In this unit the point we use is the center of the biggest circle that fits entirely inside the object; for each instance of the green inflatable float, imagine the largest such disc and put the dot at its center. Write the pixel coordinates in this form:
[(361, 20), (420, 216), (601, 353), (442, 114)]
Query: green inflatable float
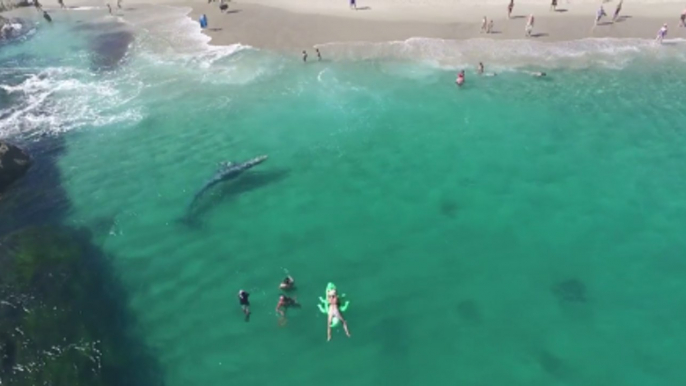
[(324, 306)]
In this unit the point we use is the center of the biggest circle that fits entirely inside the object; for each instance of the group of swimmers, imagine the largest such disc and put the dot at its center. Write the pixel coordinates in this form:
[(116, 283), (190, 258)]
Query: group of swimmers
[(285, 302), (480, 70)]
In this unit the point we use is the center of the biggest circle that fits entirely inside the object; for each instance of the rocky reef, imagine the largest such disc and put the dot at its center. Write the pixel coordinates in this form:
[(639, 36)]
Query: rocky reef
[(63, 319), (14, 162)]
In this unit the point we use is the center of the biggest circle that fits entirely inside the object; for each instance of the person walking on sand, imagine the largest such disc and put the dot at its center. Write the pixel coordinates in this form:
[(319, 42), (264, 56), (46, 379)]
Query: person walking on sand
[(683, 18), (353, 4), (661, 34), (109, 8), (484, 24), (490, 27), (61, 3), (304, 56), (510, 7), (617, 11), (599, 15), (529, 25), (245, 303), (553, 5)]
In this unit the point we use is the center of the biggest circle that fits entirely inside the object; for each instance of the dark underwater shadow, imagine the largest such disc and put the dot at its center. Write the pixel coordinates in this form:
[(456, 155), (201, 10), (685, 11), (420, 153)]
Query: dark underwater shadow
[(228, 191), (60, 289), (38, 197)]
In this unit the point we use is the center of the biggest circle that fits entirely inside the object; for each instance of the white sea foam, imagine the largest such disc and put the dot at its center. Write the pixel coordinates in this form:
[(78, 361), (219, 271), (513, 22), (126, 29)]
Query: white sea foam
[(173, 41), (60, 99), (510, 54)]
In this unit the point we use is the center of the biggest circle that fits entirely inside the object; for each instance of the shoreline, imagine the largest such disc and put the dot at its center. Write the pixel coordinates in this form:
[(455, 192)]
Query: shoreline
[(284, 30), (290, 27)]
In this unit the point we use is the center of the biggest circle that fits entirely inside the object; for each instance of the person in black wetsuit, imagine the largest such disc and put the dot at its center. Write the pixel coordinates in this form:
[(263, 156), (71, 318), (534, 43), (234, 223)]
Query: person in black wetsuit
[(47, 17), (245, 303)]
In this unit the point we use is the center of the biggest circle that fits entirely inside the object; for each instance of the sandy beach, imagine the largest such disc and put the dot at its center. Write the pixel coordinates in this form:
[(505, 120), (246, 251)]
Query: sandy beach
[(299, 24), (287, 29)]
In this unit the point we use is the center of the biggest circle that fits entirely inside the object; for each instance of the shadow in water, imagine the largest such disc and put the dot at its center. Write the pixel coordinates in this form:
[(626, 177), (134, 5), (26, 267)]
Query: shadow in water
[(38, 197), (228, 190), (59, 289)]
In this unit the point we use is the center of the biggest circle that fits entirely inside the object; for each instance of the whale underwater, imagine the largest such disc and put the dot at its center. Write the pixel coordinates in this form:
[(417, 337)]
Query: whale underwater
[(227, 171)]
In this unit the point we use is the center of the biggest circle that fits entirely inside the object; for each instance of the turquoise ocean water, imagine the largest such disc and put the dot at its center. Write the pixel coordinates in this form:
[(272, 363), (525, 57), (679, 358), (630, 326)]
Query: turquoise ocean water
[(517, 231)]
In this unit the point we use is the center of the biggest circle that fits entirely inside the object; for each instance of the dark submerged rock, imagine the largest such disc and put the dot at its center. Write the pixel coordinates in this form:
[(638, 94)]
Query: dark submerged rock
[(14, 162)]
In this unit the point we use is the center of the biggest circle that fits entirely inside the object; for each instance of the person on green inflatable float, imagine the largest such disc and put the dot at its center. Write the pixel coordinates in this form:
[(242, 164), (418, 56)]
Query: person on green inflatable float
[(332, 307)]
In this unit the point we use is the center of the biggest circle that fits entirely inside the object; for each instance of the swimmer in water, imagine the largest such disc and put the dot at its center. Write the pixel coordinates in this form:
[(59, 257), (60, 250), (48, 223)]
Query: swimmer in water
[(284, 303), (334, 311), (661, 33), (460, 78), (245, 303), (47, 17), (319, 55), (538, 74), (287, 284), (480, 69)]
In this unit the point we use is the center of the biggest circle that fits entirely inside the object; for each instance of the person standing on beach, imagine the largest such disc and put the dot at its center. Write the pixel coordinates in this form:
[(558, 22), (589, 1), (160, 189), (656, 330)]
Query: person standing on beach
[(553, 6), (484, 24), (617, 11), (529, 25), (683, 18), (304, 56), (245, 303), (489, 29), (510, 7), (661, 34), (109, 8), (353, 4), (61, 3)]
